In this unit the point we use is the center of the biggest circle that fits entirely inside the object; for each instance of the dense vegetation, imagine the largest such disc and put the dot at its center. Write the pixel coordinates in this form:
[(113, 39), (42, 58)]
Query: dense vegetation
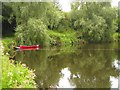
[(45, 23), (95, 21), (17, 76), (14, 74)]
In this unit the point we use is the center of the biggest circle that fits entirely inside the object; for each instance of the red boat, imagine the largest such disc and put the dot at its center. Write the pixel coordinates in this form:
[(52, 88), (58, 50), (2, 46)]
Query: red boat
[(27, 47), (32, 47)]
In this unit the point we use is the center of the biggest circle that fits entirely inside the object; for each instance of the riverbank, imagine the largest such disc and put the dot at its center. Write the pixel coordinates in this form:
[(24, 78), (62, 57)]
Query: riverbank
[(15, 75), (1, 52)]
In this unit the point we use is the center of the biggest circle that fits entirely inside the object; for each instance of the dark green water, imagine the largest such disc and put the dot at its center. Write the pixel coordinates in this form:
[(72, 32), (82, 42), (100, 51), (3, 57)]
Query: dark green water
[(88, 66)]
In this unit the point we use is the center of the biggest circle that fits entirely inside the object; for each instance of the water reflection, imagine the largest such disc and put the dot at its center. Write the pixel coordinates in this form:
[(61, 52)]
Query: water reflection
[(90, 66), (114, 82), (65, 79)]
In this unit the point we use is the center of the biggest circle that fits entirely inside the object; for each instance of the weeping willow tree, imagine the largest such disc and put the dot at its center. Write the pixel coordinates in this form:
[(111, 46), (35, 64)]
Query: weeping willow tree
[(34, 32)]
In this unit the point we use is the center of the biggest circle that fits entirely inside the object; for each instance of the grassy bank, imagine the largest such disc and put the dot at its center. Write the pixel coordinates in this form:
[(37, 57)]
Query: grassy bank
[(0, 64), (7, 40)]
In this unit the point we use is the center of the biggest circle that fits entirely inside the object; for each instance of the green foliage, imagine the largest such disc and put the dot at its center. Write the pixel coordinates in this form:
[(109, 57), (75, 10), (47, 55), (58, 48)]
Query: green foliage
[(34, 32), (1, 67), (64, 24), (6, 11), (62, 38), (7, 43), (95, 21), (8, 23), (46, 11), (94, 29), (53, 16), (17, 76), (14, 75), (43, 23), (116, 36), (25, 10), (92, 21), (0, 18)]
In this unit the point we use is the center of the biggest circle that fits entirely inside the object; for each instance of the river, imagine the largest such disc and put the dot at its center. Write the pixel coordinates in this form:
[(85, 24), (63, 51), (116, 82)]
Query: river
[(87, 66)]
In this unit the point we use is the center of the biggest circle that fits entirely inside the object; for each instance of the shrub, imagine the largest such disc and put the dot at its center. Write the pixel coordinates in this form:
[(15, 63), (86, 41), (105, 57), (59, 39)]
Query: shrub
[(34, 32), (7, 43)]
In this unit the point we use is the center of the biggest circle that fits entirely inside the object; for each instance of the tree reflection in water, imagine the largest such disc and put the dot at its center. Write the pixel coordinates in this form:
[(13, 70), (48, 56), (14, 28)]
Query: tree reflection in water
[(88, 67)]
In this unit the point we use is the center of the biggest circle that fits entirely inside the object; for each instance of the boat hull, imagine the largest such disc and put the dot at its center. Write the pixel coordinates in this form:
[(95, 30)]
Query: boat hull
[(29, 47)]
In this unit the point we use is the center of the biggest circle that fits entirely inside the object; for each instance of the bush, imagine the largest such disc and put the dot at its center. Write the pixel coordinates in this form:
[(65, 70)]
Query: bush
[(16, 76), (94, 30), (7, 43), (116, 36), (57, 38), (34, 32)]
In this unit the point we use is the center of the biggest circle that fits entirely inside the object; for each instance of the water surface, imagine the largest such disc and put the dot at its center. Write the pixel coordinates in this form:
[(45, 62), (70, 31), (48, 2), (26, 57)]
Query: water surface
[(87, 66)]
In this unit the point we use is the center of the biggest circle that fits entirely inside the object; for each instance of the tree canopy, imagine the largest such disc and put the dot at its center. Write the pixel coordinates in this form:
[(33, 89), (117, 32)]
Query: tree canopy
[(91, 21)]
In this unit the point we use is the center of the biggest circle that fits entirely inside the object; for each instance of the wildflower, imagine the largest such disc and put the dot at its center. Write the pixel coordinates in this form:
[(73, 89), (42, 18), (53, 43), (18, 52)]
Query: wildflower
[(27, 76), (24, 65), (20, 72), (32, 75), (26, 81), (10, 74)]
